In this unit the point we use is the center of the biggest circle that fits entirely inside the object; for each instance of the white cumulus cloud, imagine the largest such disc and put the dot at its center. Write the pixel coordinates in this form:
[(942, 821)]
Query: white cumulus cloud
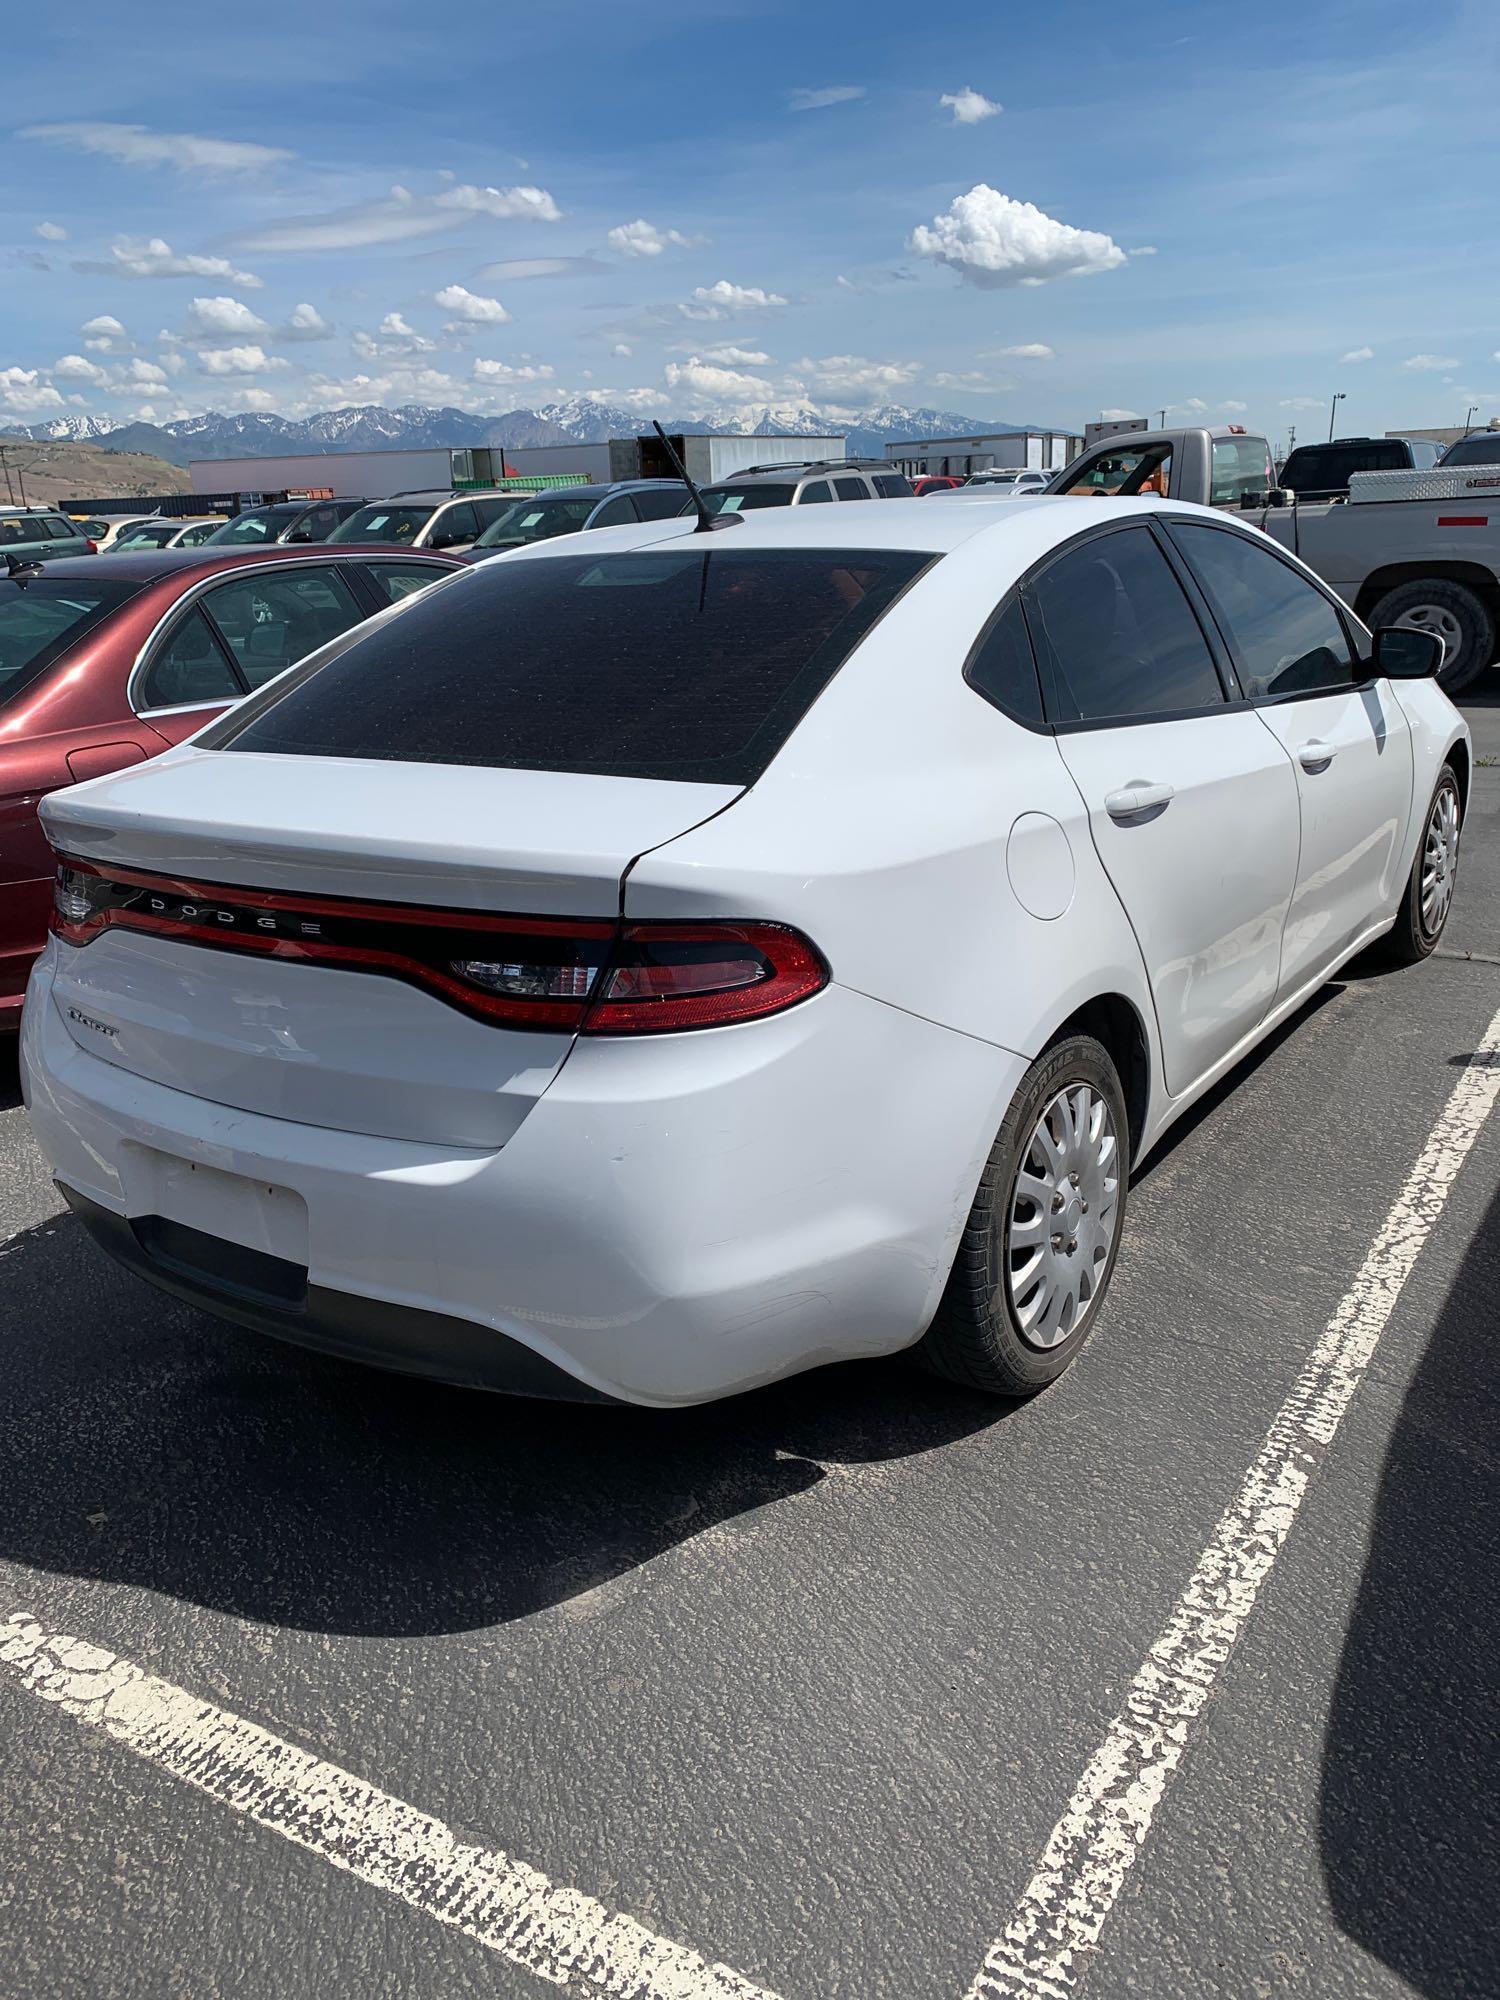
[(486, 370), (78, 368), (643, 239), (24, 389), (699, 378), (1358, 354), (471, 307), (52, 232), (136, 146), (223, 315), (525, 204), (855, 374), (305, 322), (1143, 250), (969, 107), (992, 240), (1119, 416), (737, 357), (155, 258), (242, 360), (719, 300), (1424, 362), (103, 333), (144, 372), (1028, 350)]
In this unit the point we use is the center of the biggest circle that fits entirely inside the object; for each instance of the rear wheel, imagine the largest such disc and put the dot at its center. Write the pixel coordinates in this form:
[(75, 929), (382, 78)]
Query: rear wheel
[(1451, 612), (1428, 896), (1039, 1249)]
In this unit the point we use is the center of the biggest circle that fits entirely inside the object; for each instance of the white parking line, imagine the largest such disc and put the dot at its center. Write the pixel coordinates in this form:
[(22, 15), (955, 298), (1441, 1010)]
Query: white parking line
[(562, 1936), (1044, 1949)]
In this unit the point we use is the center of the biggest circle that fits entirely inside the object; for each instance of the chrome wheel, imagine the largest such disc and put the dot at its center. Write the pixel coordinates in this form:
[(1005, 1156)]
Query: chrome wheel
[(1439, 861), (1064, 1214), (1440, 621)]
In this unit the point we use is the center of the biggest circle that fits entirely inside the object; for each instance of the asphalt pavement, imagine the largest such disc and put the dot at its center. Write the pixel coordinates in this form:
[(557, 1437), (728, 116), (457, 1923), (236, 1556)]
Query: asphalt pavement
[(801, 1683)]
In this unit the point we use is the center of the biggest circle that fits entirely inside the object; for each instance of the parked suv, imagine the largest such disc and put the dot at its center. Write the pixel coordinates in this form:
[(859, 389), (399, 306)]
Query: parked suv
[(1478, 448), (32, 534), (433, 519), (619, 503), (806, 485), (284, 521), (1321, 471)]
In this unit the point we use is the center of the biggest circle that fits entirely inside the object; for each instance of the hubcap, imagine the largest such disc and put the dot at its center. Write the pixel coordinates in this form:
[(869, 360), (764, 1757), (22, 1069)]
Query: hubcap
[(1439, 620), (1064, 1212), (1439, 861)]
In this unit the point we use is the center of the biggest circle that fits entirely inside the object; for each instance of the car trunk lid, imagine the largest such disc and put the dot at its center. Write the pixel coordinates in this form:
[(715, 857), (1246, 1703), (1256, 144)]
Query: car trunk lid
[(223, 862)]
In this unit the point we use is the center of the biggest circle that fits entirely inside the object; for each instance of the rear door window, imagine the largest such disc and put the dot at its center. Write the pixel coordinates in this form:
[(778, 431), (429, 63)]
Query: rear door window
[(191, 666), (271, 622), (851, 489), (892, 485), (1285, 635), (676, 662), (815, 493), (1116, 636)]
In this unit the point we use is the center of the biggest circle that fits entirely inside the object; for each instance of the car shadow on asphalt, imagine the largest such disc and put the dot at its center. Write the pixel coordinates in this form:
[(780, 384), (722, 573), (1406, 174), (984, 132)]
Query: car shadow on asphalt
[(148, 1444), (1409, 1808), (10, 1076)]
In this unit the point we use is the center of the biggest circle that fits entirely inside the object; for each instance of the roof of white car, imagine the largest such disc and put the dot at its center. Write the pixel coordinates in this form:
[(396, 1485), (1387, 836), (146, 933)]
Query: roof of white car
[(926, 524)]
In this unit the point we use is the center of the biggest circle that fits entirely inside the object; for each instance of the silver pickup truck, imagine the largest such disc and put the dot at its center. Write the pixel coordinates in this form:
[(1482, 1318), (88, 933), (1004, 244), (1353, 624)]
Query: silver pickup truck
[(1432, 563)]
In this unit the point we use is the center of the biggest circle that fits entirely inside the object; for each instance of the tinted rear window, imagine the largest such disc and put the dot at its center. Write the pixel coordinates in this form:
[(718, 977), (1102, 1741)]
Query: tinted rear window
[(741, 499), (1474, 451), (41, 619), (692, 663), (1325, 468)]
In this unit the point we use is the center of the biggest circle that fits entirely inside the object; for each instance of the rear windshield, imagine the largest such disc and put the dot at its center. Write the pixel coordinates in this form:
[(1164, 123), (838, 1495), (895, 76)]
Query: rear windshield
[(383, 524), (1474, 451), (149, 535), (690, 663), (537, 521), (39, 620), (1325, 468), (740, 499), (264, 526)]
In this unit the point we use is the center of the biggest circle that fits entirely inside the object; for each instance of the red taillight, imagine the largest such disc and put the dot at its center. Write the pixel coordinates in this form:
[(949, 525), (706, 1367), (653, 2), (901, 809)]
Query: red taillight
[(93, 546), (670, 976), (598, 977)]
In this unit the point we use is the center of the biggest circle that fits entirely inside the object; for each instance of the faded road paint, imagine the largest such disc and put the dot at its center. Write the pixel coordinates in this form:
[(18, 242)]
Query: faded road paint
[(1044, 1949), (559, 1934)]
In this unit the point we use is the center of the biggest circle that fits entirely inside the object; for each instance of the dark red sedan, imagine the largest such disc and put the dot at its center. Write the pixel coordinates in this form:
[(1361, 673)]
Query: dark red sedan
[(108, 660)]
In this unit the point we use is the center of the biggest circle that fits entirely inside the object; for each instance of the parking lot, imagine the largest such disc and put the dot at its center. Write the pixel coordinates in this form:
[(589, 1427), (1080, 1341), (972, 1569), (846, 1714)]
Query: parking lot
[(801, 1684)]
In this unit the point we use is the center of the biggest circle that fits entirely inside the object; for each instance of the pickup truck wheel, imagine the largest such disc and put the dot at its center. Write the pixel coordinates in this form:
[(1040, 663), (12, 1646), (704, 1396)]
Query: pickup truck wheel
[(1456, 614)]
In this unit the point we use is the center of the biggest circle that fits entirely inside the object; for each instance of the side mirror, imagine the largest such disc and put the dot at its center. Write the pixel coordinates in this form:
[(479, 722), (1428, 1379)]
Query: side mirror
[(1404, 654)]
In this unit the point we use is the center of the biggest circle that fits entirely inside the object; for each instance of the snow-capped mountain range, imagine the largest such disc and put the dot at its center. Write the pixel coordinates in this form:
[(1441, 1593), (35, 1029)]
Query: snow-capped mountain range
[(578, 419)]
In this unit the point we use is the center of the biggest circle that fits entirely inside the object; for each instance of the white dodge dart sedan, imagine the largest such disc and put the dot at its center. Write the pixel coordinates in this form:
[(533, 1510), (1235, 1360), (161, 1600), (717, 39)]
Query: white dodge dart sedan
[(646, 970)]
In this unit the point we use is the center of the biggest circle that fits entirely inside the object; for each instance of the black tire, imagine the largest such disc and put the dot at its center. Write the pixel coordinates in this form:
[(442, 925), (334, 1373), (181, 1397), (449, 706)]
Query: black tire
[(1465, 607), (1412, 938), (976, 1338)]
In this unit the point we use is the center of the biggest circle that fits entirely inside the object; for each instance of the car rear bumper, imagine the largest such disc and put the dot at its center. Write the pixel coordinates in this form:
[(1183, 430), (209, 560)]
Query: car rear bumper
[(678, 1218)]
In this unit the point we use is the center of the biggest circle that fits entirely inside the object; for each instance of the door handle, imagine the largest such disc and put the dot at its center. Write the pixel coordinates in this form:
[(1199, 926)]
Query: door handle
[(1138, 801), (1314, 754)]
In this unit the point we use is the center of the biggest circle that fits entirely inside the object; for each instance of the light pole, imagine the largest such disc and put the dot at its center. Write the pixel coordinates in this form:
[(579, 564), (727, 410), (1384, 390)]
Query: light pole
[(1468, 414), (1163, 424), (1333, 410)]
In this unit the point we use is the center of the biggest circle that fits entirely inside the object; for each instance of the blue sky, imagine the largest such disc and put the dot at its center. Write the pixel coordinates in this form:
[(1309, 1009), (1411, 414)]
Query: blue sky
[(695, 205)]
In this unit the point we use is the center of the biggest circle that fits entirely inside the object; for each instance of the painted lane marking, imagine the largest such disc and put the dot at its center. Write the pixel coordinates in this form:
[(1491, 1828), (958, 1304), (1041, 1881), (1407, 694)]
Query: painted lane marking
[(560, 1934), (1045, 1949)]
